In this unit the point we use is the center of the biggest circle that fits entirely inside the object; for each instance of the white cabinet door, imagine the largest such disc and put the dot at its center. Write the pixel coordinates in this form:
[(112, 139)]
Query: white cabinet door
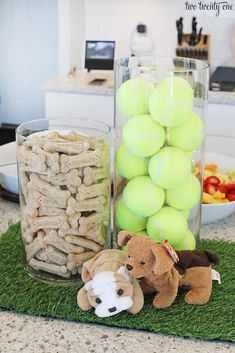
[(220, 120), (70, 105), (29, 56)]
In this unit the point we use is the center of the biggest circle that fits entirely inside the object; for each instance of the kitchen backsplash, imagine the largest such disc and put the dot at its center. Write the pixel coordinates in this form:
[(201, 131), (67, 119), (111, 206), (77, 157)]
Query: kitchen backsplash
[(111, 19)]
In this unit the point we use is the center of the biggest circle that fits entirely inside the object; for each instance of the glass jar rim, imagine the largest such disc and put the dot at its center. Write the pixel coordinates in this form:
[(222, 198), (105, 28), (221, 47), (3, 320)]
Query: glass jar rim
[(204, 65), (103, 128)]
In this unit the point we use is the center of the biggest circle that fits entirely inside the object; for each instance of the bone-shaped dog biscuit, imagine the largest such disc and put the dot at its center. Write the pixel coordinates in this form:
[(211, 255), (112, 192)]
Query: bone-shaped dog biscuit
[(37, 244), (87, 224), (48, 190), (23, 183), (27, 235), (53, 222), (64, 232), (74, 219), (72, 189), (93, 174), (85, 159), (49, 211), (70, 148), (87, 192), (85, 243), (53, 239), (92, 219), (72, 178), (95, 204), (52, 159), (31, 208), (76, 260), (45, 201), (96, 233), (33, 161), (52, 255), (61, 271)]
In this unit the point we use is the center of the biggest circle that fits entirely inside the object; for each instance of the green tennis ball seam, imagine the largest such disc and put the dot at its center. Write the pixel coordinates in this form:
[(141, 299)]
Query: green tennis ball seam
[(185, 141), (169, 111), (139, 131)]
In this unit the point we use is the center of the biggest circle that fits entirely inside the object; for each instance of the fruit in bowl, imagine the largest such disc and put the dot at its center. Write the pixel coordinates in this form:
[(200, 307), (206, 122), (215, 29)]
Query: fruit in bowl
[(218, 187)]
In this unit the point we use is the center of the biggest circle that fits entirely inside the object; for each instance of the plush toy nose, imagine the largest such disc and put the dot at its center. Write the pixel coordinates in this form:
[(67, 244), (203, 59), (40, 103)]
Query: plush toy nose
[(111, 310), (129, 267)]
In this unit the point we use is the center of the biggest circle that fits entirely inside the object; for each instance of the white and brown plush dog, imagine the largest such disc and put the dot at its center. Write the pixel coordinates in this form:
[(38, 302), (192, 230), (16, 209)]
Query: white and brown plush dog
[(108, 287)]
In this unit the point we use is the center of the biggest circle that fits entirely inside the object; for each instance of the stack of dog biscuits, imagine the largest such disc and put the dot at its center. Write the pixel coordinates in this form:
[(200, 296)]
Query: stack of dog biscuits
[(65, 192)]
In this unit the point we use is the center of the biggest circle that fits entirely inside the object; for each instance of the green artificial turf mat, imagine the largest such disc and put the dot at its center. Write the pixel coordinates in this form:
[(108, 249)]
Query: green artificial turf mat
[(215, 321)]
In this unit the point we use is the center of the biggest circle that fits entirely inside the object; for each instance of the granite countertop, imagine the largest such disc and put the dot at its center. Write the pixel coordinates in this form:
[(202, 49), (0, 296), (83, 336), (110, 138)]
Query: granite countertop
[(80, 84), (23, 333)]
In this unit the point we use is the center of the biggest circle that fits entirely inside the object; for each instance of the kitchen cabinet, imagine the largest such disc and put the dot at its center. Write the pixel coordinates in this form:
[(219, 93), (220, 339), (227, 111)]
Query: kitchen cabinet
[(71, 98), (90, 106)]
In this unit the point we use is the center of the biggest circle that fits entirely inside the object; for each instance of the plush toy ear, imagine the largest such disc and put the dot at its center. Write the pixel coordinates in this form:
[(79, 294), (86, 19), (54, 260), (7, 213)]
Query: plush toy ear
[(163, 261), (123, 237), (138, 298), (82, 300), (87, 268), (86, 274)]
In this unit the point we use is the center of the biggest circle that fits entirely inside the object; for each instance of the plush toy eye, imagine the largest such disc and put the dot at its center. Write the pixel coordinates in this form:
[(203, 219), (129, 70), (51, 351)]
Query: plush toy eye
[(129, 256), (120, 291), (142, 262), (98, 300)]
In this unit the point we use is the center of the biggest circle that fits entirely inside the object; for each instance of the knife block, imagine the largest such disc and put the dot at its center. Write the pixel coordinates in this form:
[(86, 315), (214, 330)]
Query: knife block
[(199, 51)]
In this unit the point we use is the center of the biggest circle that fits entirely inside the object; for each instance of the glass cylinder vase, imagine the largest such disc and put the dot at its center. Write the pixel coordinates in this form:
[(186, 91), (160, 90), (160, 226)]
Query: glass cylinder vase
[(64, 184), (160, 103)]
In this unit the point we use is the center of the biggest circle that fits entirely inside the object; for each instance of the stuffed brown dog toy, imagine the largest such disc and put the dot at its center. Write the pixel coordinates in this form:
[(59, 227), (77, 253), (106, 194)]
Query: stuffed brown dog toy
[(108, 286), (152, 263)]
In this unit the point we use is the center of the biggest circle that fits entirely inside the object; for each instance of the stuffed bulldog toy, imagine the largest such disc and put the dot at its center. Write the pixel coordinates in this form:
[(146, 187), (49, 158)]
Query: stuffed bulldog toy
[(108, 286), (155, 266)]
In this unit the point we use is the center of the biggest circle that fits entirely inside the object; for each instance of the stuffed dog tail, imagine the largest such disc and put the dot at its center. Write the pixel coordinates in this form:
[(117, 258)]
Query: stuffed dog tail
[(212, 257)]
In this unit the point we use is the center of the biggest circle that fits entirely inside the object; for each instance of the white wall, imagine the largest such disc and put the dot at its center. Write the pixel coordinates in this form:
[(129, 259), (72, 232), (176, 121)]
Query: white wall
[(112, 19), (71, 15), (77, 31), (28, 57)]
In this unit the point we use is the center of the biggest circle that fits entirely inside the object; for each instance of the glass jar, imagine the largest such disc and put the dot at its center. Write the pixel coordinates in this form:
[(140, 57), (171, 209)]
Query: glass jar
[(64, 186), (160, 105)]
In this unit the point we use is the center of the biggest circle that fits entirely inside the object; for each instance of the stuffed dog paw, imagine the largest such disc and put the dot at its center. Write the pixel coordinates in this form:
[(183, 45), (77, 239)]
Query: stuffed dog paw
[(108, 286), (152, 263)]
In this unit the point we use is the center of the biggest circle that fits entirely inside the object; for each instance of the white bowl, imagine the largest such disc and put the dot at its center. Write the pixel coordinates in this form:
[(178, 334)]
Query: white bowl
[(9, 178), (8, 174), (215, 212)]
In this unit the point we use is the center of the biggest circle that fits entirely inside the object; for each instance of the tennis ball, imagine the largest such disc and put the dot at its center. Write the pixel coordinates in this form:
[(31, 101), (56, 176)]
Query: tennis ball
[(171, 102), (142, 196), (128, 165), (189, 135), (143, 136), (188, 242), (132, 97), (169, 167), (126, 220), (185, 213), (168, 223), (186, 196)]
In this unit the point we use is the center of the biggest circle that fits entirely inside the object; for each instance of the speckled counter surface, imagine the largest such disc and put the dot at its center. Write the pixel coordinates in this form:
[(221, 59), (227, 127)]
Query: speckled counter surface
[(81, 85), (22, 333)]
